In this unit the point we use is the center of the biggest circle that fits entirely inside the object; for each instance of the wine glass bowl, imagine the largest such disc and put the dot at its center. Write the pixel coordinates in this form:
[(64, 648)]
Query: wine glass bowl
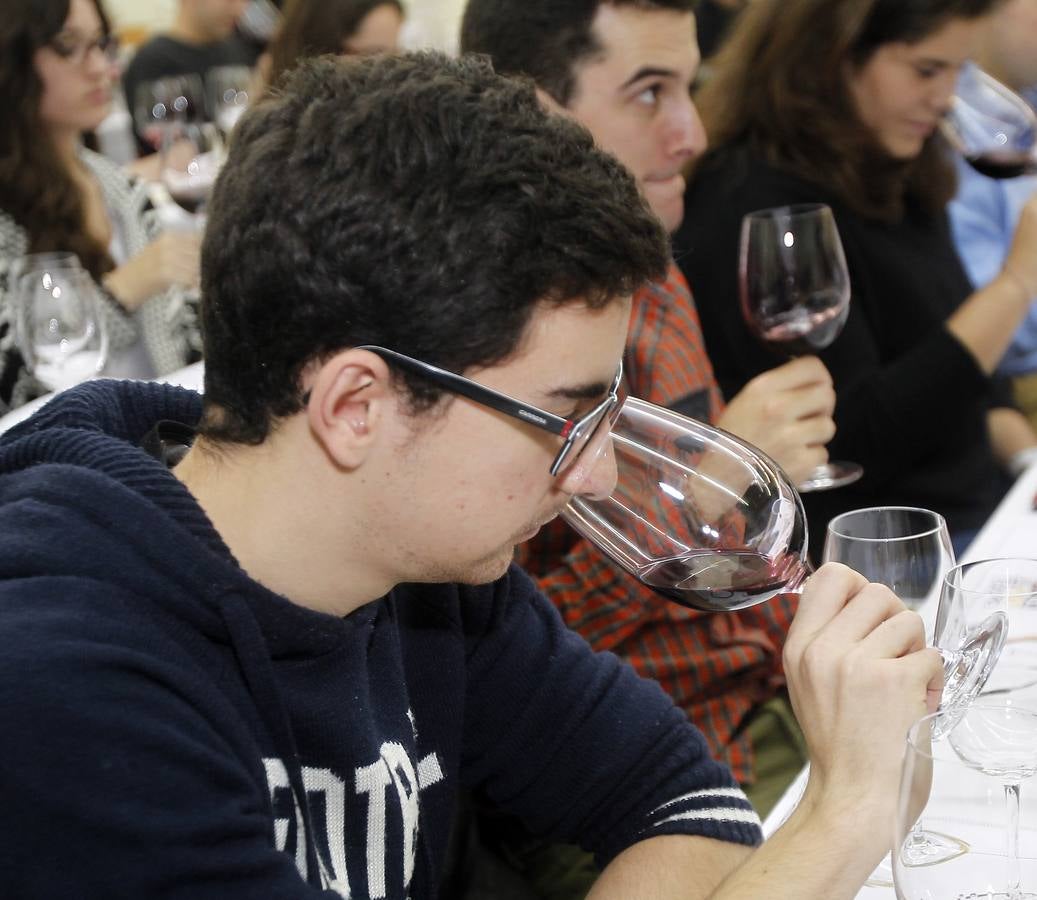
[(60, 330), (192, 156), (793, 281), (905, 548), (794, 290), (991, 126), (979, 589), (701, 517), (158, 103), (229, 91)]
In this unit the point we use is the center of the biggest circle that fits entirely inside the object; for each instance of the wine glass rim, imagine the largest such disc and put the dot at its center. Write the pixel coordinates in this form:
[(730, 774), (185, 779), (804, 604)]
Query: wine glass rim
[(912, 738), (938, 525), (956, 571), (791, 210)]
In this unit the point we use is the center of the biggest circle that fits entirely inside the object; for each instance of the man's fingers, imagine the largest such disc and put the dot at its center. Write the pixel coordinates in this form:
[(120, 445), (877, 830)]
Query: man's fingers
[(827, 592)]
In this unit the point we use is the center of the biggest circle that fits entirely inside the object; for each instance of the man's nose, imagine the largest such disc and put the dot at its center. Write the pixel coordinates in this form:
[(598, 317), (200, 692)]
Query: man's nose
[(686, 134), (596, 476)]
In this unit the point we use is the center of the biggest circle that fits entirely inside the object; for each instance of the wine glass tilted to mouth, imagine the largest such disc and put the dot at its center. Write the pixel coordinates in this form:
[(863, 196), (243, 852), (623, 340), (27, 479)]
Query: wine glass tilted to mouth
[(710, 522), (991, 126)]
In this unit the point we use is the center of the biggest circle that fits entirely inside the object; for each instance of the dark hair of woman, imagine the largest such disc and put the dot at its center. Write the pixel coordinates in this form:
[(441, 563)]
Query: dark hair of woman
[(36, 189), (780, 86), (316, 27)]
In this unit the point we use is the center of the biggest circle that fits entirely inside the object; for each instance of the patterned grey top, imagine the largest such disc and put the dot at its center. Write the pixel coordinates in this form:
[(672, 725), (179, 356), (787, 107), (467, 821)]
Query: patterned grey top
[(166, 323)]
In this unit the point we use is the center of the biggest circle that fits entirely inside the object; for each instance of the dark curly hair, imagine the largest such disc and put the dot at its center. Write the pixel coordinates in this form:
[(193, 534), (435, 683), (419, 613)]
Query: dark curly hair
[(36, 190), (544, 39), (417, 202), (315, 27)]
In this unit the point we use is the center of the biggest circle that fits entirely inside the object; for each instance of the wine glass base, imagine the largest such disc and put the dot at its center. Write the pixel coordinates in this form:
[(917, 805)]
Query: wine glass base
[(831, 475), (966, 670)]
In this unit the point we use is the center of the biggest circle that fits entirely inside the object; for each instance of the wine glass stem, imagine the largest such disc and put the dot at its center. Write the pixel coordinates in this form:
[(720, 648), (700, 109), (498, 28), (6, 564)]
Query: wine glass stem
[(1012, 838)]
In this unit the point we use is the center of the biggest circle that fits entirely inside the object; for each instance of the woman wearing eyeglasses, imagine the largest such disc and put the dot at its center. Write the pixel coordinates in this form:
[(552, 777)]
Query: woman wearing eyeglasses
[(56, 73)]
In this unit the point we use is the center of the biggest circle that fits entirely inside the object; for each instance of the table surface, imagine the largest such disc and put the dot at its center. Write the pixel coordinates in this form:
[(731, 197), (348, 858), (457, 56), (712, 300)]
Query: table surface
[(1010, 531), (188, 377)]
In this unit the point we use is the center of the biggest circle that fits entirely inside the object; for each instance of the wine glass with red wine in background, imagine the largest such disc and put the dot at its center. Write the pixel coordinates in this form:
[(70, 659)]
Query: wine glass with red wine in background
[(795, 294), (991, 126)]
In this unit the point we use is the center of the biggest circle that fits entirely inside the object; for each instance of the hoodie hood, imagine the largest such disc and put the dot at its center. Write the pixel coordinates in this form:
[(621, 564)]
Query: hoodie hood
[(81, 499)]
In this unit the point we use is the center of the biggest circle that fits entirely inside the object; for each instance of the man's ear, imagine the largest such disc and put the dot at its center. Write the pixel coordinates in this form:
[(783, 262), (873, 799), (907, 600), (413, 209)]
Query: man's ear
[(550, 104), (350, 400)]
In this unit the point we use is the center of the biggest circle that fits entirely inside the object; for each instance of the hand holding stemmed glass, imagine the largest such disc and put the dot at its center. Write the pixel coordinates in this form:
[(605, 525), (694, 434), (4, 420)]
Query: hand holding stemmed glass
[(991, 126), (795, 294), (712, 524)]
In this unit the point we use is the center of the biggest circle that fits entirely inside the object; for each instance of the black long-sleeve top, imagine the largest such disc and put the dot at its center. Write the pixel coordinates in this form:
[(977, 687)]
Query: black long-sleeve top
[(911, 400)]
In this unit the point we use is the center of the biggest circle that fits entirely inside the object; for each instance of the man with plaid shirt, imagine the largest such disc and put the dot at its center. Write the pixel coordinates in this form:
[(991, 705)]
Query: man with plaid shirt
[(624, 70)]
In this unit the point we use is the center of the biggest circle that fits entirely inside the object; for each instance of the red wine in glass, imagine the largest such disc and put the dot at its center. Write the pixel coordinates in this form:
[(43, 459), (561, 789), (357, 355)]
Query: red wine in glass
[(721, 580), (991, 126), (795, 294), (1003, 165)]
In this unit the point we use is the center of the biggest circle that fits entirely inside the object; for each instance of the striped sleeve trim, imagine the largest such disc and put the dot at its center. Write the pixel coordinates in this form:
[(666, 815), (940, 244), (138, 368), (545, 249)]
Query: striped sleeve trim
[(717, 814), (727, 804)]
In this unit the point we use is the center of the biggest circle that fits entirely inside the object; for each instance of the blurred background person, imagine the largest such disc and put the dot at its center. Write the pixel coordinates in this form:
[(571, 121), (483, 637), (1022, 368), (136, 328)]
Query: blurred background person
[(55, 195), (839, 102), (202, 38), (316, 27), (715, 19), (985, 212)]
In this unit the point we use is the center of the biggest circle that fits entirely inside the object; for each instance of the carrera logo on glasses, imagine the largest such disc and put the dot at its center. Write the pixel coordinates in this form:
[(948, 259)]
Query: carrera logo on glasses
[(531, 417)]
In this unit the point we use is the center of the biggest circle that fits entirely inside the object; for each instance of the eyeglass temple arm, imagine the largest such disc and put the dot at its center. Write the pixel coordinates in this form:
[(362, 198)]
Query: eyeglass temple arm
[(458, 384)]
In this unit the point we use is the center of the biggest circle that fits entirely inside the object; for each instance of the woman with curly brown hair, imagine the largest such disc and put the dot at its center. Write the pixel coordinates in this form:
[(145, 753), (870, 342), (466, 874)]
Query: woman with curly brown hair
[(840, 102), (55, 195)]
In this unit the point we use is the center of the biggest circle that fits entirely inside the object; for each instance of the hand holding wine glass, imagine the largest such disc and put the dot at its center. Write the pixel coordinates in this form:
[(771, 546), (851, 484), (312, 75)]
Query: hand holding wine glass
[(712, 524), (171, 260), (795, 293)]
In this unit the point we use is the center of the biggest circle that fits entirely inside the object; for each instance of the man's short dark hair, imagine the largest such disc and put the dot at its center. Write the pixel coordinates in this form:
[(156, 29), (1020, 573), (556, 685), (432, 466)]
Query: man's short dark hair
[(544, 39), (416, 202)]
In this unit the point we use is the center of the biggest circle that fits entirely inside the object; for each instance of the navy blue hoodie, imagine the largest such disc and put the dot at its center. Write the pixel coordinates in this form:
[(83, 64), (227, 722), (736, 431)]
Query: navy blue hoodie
[(171, 728)]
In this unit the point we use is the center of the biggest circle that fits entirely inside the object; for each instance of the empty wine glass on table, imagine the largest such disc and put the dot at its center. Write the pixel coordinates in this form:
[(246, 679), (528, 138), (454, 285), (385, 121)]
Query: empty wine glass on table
[(795, 294), (60, 331), (991, 126), (956, 834)]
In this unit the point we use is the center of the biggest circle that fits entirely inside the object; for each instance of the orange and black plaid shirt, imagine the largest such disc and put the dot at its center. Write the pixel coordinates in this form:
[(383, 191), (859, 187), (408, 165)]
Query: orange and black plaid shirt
[(716, 666)]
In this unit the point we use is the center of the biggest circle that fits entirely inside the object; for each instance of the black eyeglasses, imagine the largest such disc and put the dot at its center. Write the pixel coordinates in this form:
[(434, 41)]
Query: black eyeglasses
[(577, 433), (76, 51)]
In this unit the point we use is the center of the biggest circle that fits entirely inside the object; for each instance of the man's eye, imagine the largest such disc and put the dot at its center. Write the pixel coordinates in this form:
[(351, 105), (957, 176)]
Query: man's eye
[(649, 96)]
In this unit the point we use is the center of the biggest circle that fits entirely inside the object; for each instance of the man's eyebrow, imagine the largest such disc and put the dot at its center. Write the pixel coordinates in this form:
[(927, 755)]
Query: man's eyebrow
[(593, 390), (647, 72)]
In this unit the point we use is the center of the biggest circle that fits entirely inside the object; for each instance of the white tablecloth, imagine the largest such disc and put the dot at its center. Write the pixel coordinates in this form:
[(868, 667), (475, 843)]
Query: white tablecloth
[(189, 377)]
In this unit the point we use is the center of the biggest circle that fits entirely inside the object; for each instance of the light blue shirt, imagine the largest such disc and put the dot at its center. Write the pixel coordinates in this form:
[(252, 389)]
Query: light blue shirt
[(983, 220)]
